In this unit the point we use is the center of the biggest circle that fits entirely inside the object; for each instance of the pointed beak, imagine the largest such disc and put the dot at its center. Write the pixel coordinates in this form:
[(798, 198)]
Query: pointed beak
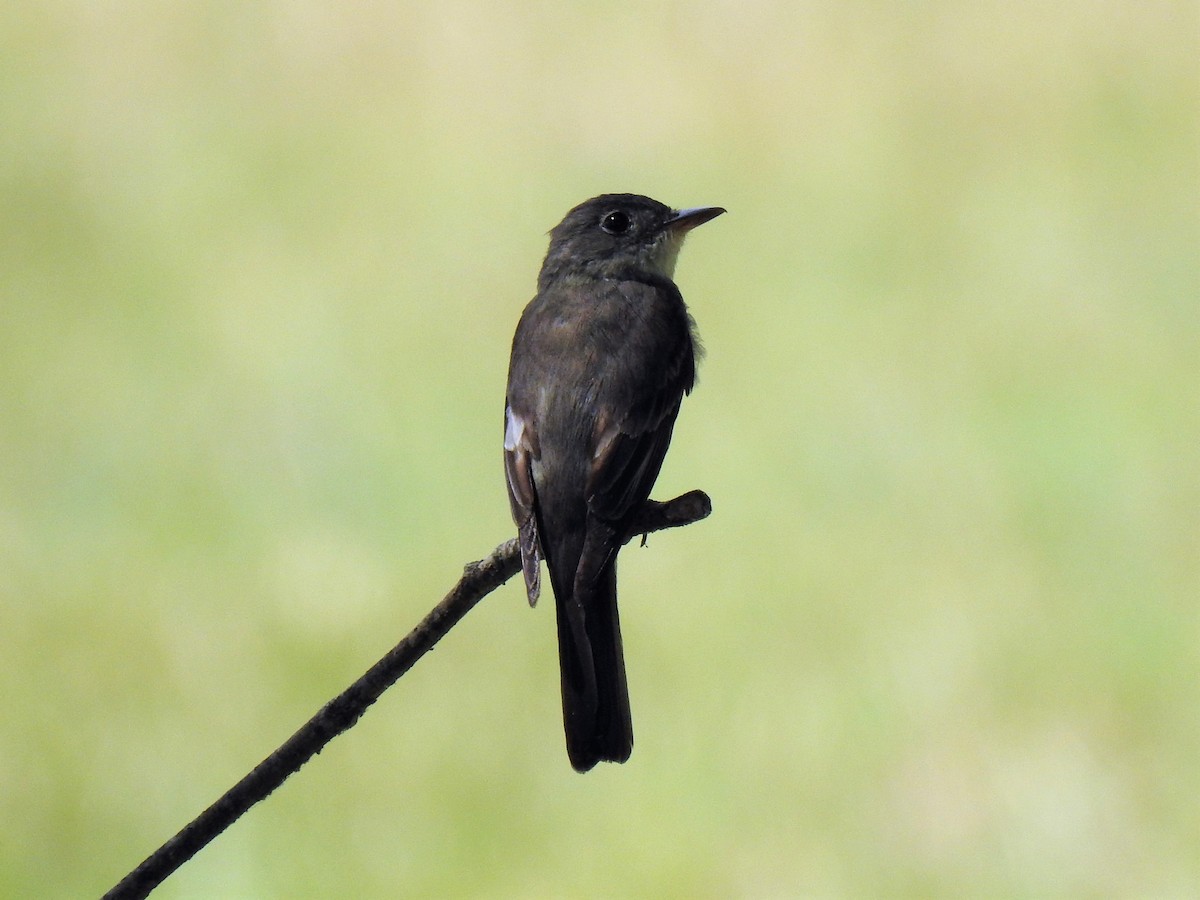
[(687, 219)]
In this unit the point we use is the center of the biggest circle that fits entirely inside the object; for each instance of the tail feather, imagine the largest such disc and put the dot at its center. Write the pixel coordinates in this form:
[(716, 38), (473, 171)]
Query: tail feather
[(595, 694)]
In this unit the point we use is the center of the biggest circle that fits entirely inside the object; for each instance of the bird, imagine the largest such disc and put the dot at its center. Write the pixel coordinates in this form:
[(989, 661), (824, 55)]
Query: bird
[(601, 359)]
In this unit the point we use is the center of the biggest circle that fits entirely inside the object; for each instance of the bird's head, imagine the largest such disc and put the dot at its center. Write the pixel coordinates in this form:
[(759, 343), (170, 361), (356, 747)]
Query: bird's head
[(614, 233)]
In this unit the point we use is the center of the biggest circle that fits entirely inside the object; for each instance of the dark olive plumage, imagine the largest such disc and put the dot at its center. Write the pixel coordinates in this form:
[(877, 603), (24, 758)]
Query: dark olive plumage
[(601, 360)]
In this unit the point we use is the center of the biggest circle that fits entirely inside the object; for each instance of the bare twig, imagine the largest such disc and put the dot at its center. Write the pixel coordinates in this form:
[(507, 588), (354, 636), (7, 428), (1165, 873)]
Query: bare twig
[(339, 714)]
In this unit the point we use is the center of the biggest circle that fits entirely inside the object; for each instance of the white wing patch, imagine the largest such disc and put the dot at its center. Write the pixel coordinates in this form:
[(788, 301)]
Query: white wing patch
[(514, 429), (605, 442)]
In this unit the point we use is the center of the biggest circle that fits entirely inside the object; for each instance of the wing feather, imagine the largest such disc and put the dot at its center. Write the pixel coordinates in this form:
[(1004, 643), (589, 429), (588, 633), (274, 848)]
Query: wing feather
[(520, 444)]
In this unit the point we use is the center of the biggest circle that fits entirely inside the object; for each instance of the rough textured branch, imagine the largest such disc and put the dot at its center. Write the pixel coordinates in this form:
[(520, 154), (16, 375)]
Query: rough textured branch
[(479, 579)]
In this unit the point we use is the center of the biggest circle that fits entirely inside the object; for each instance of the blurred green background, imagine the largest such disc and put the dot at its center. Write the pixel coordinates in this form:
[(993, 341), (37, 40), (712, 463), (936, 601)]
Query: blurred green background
[(260, 264)]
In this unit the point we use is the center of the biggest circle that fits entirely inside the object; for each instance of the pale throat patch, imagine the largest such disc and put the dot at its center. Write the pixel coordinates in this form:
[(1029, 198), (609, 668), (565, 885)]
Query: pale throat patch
[(664, 253)]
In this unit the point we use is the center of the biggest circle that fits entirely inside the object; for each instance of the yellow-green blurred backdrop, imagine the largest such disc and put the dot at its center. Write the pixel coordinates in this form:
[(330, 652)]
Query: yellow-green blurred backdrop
[(259, 268)]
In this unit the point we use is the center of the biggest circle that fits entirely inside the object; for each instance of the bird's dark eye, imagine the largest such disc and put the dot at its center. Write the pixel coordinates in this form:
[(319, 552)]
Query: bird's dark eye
[(615, 222)]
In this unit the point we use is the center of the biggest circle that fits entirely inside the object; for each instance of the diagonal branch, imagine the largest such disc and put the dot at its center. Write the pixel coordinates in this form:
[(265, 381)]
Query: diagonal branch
[(339, 714)]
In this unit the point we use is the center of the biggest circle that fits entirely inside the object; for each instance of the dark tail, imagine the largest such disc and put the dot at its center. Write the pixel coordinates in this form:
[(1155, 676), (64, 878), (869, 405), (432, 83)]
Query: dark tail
[(595, 696)]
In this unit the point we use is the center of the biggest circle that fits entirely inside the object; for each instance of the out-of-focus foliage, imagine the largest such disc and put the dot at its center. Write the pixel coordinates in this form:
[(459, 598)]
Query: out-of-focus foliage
[(259, 268)]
